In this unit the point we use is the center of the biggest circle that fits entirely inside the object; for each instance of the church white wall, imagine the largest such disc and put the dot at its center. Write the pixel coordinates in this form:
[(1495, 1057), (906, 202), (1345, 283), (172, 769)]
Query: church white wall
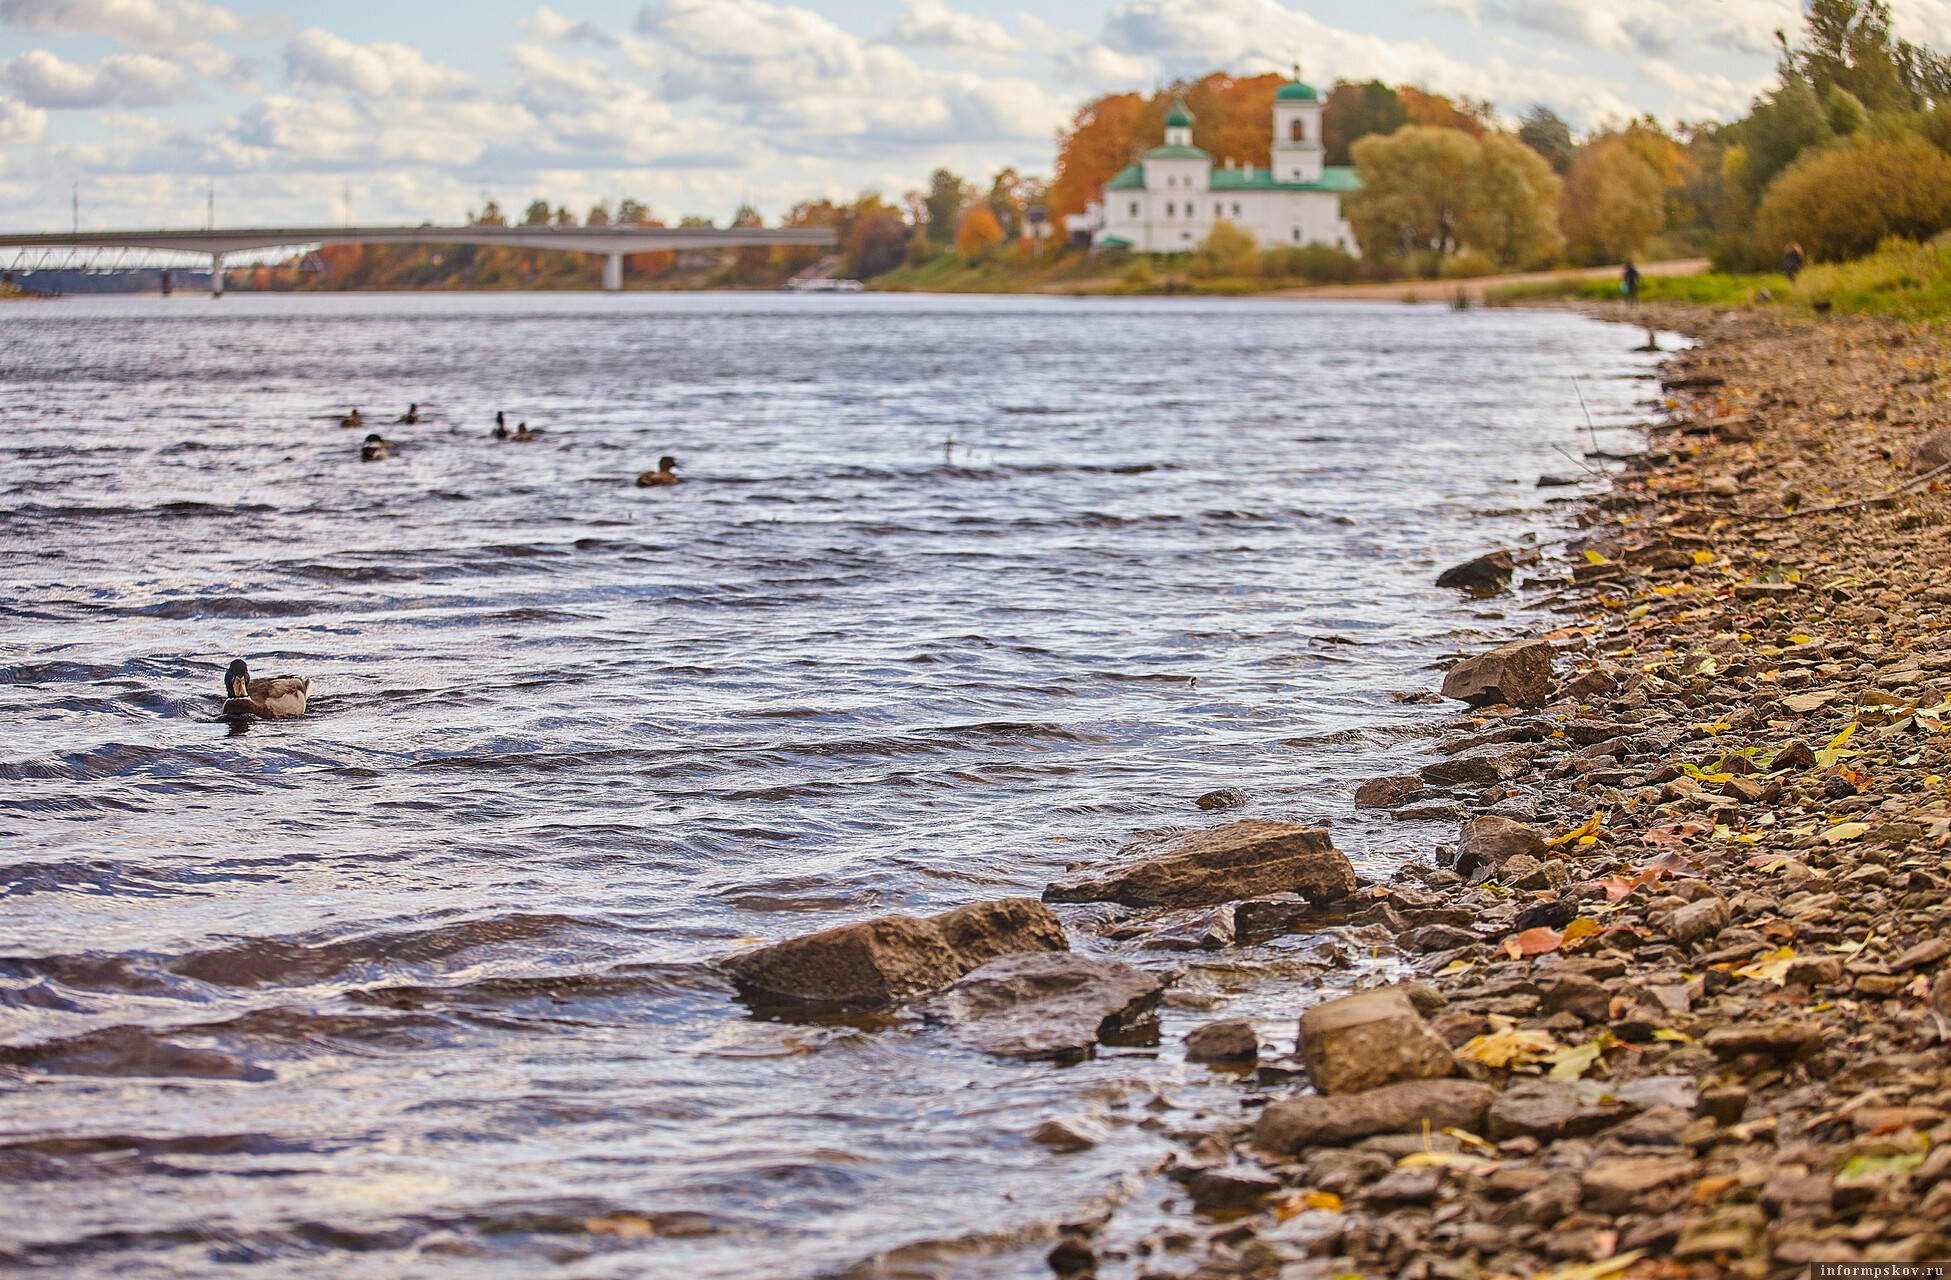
[(1178, 220)]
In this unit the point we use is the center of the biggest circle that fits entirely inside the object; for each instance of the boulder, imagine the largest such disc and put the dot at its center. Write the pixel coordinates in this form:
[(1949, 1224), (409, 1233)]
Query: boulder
[(1239, 860), (1696, 921), (1436, 937), (1208, 929), (1228, 1040), (1387, 793), (1934, 450), (1400, 1108), (1067, 1136), (1363, 1042), (1484, 767), (1518, 673), (1547, 1110), (1616, 1184), (1491, 842), (892, 959), (1044, 1005), (1486, 575), (1224, 798), (1578, 995)]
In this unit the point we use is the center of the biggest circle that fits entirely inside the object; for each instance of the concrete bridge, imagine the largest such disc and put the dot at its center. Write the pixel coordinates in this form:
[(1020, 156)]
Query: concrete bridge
[(613, 242)]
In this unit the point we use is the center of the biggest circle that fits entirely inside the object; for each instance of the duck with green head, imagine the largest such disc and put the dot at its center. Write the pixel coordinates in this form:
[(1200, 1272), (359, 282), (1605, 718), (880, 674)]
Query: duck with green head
[(268, 698)]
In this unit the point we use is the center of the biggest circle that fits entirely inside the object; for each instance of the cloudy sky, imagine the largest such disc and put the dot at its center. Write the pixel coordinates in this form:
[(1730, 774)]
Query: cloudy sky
[(423, 108)]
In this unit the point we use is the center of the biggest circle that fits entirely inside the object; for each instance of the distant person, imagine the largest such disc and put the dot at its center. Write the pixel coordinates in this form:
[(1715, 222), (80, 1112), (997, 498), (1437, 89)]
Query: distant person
[(501, 431), (666, 473), (1792, 261), (1629, 284)]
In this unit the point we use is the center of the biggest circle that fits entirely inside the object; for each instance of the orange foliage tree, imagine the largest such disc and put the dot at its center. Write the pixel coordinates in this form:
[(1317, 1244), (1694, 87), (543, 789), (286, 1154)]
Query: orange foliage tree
[(1091, 152), (979, 232), (1434, 111)]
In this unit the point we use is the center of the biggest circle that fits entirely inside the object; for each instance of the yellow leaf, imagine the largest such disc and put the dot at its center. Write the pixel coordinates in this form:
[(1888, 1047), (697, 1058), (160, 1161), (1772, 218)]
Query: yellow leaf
[(1446, 1160), (1842, 737), (1845, 831), (1772, 967), (1322, 1200), (1668, 1033), (1596, 1270), (1570, 1064), (1509, 1048), (1638, 611), (1589, 827), (1456, 967), (1801, 639), (1703, 557), (1581, 927), (1469, 1139), (1595, 558)]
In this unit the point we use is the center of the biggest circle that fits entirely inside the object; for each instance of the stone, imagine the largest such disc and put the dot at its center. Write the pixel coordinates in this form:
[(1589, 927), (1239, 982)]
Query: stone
[(1543, 915), (1387, 793), (1518, 673), (1041, 1005), (1522, 872), (1205, 930), (1228, 1040), (1406, 1186), (1650, 1092), (1483, 767), (1660, 1127), (1547, 1110), (1780, 1039), (1067, 1136), (1795, 754), (1486, 575), (1696, 921), (1618, 1184), (1735, 1230), (1725, 1105), (892, 959), (1399, 1108), (1362, 1042), (1228, 1186), (1436, 937), (1244, 859), (1814, 972), (1923, 955), (1224, 798), (1933, 451), (1596, 683), (1578, 995), (1795, 1188), (1491, 842), (1271, 914)]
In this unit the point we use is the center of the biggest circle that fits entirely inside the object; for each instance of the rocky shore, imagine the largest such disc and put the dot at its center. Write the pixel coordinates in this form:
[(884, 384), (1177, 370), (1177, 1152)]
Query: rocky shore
[(1675, 1001)]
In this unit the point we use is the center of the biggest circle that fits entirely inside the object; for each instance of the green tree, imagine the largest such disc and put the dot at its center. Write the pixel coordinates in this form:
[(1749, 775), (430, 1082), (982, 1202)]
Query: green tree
[(1352, 111), (1430, 193), (1544, 132), (1844, 111), (1842, 202), (947, 196), (537, 215), (599, 215), (1781, 126)]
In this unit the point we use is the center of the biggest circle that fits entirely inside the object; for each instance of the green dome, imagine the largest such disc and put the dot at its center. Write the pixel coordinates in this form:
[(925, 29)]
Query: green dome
[(1179, 118), (1295, 91)]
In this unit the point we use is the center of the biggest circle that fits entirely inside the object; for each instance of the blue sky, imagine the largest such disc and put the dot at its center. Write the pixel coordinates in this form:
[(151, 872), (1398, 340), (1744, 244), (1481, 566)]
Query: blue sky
[(423, 109)]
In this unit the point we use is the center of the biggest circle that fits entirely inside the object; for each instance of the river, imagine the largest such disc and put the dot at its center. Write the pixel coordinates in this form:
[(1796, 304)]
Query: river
[(954, 591)]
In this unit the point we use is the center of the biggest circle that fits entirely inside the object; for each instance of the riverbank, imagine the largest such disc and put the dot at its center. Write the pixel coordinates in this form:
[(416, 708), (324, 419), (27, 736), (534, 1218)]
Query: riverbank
[(1684, 968)]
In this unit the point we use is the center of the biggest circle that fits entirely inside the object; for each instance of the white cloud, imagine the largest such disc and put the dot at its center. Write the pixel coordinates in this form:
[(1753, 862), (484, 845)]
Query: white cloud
[(181, 29), (131, 80), (1924, 21), (20, 123), (1703, 95), (317, 59), (931, 24), (546, 26)]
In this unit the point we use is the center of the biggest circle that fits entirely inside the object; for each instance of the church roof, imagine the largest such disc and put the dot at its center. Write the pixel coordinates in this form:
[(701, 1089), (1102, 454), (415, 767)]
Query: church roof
[(1294, 89), (1179, 118), (1333, 178), (1177, 153)]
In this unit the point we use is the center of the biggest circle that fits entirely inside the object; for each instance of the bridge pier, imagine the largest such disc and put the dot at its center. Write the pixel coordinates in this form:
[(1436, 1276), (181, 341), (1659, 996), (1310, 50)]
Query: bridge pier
[(613, 273), (217, 275)]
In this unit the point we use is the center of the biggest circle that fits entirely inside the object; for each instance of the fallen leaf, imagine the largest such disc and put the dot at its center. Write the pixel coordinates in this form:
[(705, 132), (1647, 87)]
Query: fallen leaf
[(1675, 832), (1470, 1139), (1581, 928), (1668, 1033), (1293, 1206), (1590, 827), (1533, 942), (1570, 1064), (1772, 967), (1455, 967), (1509, 1048), (1446, 1160), (1596, 1270), (1844, 831), (1708, 1190)]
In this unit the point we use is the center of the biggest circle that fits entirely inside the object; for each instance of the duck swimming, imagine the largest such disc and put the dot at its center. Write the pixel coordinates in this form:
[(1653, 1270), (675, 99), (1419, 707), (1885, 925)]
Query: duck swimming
[(501, 431), (411, 417), (666, 473), (275, 698), (353, 419), (376, 449), (523, 434)]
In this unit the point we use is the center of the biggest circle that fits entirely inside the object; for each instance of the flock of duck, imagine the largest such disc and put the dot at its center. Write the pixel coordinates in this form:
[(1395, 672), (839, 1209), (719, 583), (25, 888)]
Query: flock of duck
[(281, 697)]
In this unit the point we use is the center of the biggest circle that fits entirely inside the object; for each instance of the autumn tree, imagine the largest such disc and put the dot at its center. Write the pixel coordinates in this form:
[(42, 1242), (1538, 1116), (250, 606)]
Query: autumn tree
[(1434, 111), (1353, 111), (1542, 130), (946, 198), (977, 234), (1099, 143), (1614, 202), (1414, 193), (877, 237), (1511, 215), (1842, 202)]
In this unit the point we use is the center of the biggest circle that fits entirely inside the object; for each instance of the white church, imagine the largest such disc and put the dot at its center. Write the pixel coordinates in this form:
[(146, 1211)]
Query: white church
[(1169, 201)]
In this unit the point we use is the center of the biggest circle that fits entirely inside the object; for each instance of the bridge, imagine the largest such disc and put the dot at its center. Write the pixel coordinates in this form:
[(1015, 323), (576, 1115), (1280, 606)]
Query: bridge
[(612, 242)]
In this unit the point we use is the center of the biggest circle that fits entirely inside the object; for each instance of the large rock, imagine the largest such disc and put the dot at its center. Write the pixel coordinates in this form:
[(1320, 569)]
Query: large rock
[(1518, 673), (1621, 1184), (1484, 767), (1492, 842), (1486, 575), (1387, 793), (1239, 860), (1934, 450), (1365, 1041), (1548, 1110), (1400, 1108), (893, 959), (1040, 1005)]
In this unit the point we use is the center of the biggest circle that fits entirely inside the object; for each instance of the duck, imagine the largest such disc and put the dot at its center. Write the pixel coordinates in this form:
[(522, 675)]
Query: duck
[(522, 433), (375, 449), (353, 419), (501, 431), (666, 473), (275, 698), (411, 417)]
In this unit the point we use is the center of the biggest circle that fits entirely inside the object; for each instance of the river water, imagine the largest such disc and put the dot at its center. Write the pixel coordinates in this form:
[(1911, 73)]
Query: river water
[(955, 591)]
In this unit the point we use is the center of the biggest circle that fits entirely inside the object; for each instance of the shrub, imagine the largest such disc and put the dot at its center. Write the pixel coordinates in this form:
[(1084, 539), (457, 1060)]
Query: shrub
[(1614, 201), (1316, 263), (1227, 251), (1468, 265), (1845, 200)]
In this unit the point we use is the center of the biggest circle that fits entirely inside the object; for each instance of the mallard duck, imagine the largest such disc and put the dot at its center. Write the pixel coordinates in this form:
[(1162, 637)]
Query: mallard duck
[(353, 419), (666, 473), (523, 434), (271, 699), (501, 431), (411, 417), (375, 449)]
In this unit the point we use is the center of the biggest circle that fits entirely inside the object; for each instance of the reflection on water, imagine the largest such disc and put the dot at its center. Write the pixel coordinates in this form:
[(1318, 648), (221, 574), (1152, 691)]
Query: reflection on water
[(954, 591)]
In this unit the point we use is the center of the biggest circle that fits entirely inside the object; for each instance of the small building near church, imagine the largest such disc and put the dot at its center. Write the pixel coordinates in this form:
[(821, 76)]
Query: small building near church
[(1169, 201)]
